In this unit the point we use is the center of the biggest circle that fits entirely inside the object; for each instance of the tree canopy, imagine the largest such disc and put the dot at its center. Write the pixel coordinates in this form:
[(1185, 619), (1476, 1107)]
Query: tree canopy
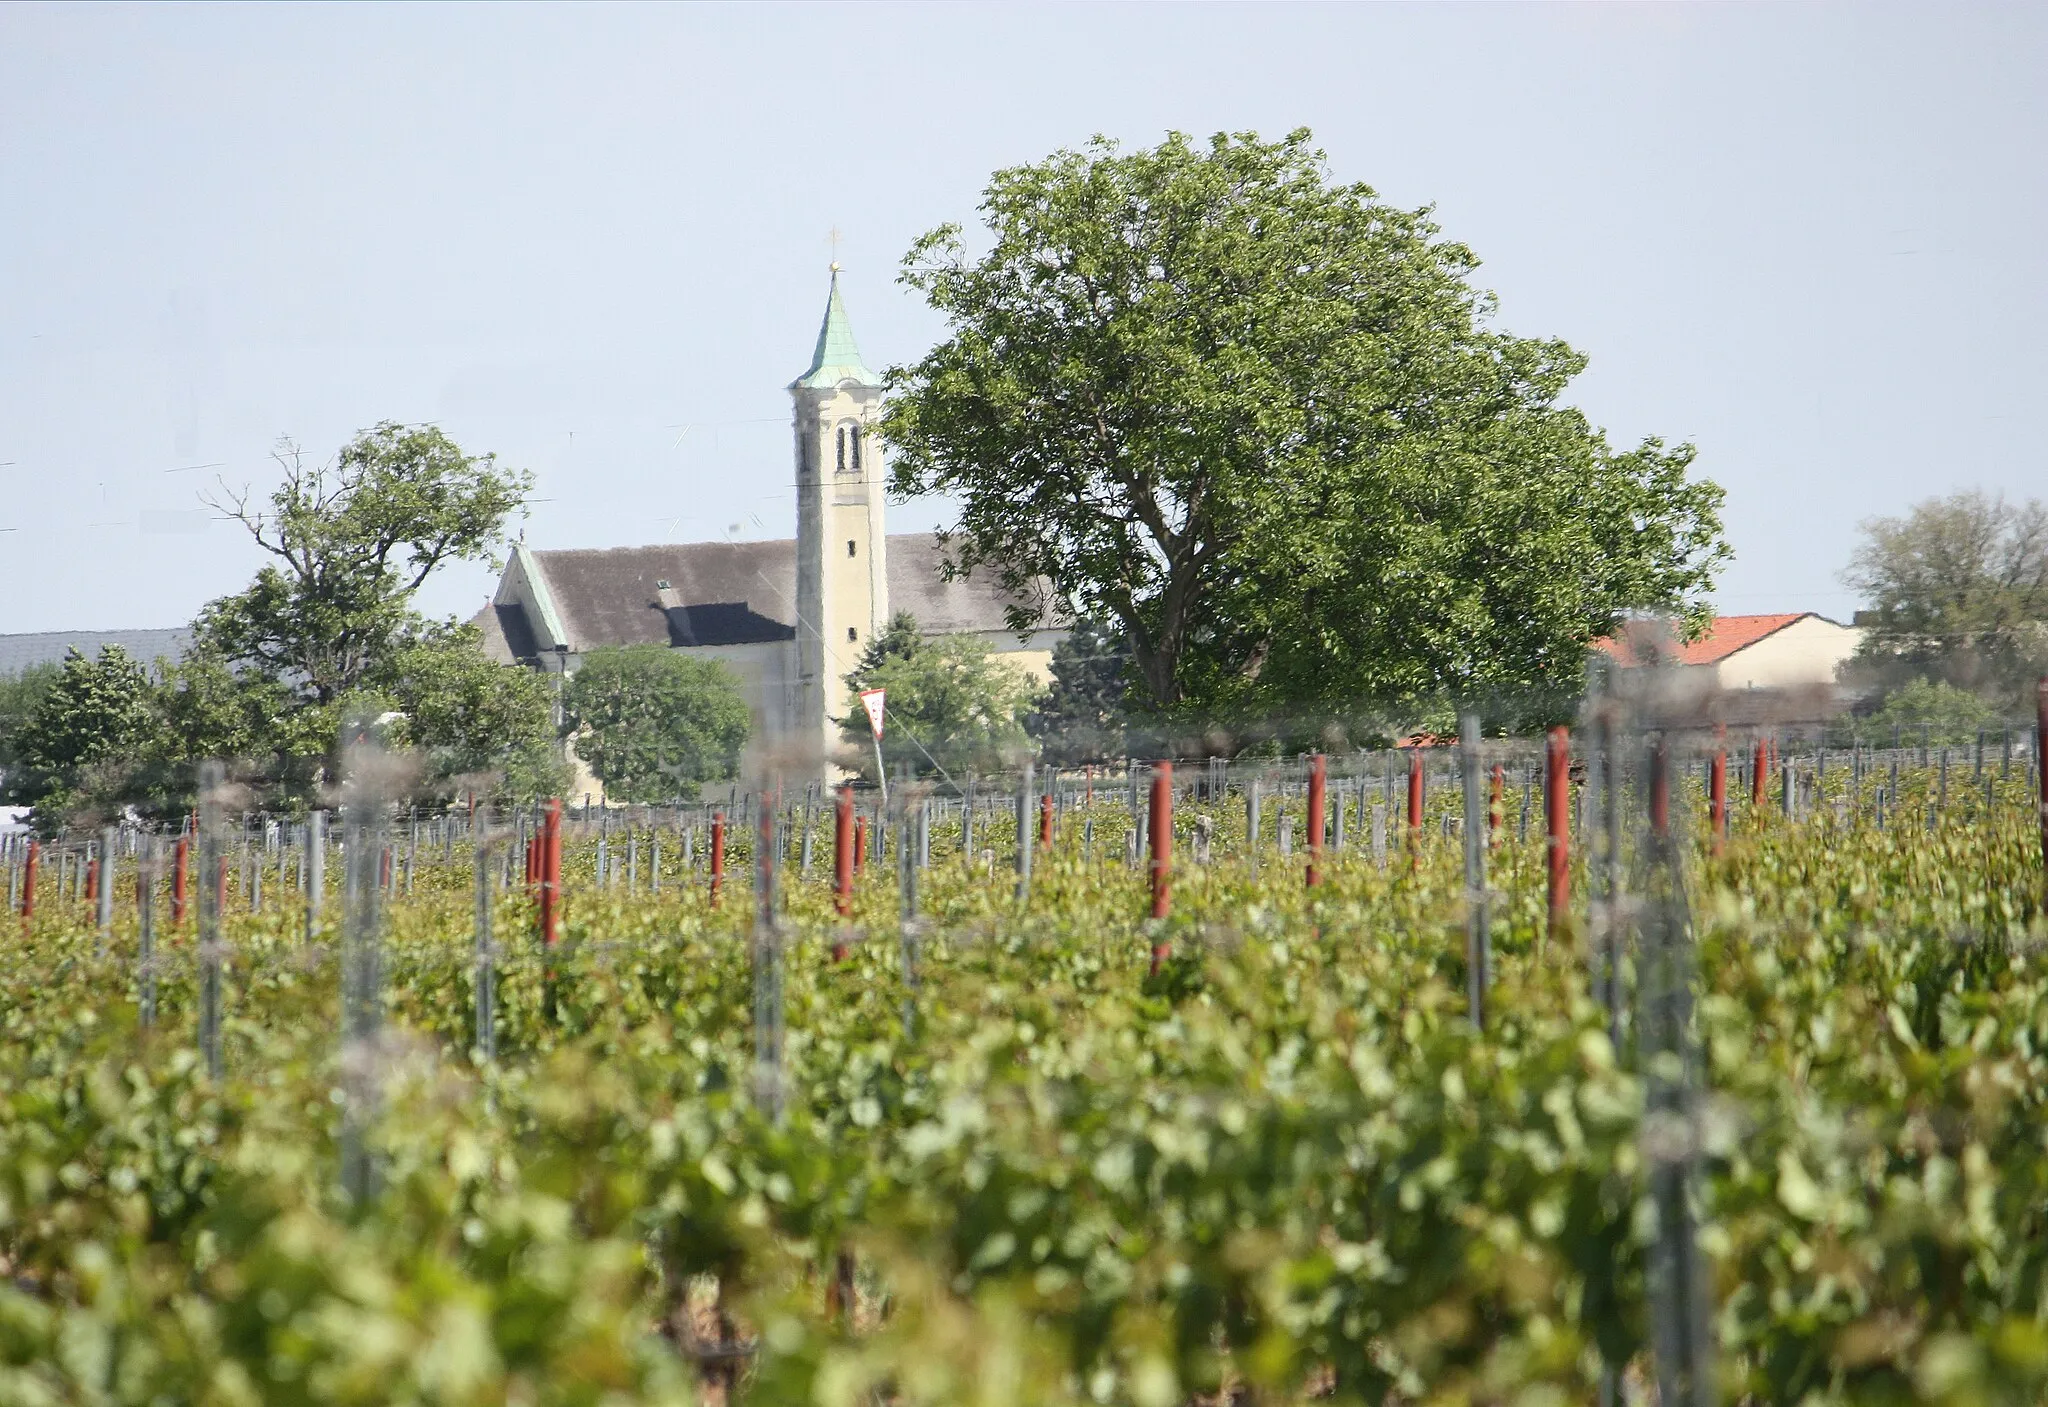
[(1958, 590), (654, 723), (1081, 716), (351, 543), (1263, 423), (326, 630), (952, 704), (93, 711)]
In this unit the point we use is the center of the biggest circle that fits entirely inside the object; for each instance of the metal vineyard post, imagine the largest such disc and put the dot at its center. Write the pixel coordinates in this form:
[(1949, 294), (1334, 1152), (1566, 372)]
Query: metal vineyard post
[(213, 864), (1024, 836), (1478, 933), (1161, 838)]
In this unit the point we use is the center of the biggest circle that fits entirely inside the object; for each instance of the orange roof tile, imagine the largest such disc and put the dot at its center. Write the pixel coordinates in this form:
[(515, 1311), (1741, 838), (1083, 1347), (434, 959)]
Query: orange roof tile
[(1724, 636)]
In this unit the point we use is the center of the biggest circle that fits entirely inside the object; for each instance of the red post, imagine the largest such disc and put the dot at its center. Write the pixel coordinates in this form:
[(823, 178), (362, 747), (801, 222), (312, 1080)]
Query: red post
[(1496, 805), (1161, 838), (28, 882), (1414, 804), (842, 852), (92, 879), (551, 872), (181, 862), (1088, 797), (860, 844), (717, 855), (1557, 816), (1045, 821), (1717, 790), (1760, 770), (220, 881), (842, 867), (1318, 782)]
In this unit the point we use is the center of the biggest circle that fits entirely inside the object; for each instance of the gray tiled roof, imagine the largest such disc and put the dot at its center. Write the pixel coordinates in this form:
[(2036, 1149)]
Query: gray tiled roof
[(20, 652), (734, 593)]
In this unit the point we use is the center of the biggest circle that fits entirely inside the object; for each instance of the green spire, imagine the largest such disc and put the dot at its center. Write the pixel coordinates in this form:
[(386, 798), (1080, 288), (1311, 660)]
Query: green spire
[(837, 358)]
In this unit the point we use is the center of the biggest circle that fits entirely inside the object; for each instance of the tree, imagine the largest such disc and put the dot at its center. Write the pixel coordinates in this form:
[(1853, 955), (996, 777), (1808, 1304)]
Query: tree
[(1081, 716), (352, 543), (653, 722), (952, 705), (1263, 424), (475, 719), (96, 711), (19, 695), (1958, 590), (1938, 712)]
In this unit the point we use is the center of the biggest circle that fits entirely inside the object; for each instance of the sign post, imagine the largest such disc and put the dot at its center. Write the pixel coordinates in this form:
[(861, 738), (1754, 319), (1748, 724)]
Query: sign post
[(872, 700)]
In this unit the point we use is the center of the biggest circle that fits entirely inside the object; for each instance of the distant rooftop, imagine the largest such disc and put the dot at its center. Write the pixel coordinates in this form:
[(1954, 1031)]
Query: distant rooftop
[(1724, 636), (24, 652)]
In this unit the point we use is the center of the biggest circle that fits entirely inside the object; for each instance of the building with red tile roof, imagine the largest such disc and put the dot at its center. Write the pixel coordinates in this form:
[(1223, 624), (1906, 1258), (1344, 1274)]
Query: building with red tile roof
[(1787, 650)]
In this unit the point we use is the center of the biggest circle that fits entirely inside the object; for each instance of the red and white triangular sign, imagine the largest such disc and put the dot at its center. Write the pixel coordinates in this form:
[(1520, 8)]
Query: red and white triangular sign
[(871, 700)]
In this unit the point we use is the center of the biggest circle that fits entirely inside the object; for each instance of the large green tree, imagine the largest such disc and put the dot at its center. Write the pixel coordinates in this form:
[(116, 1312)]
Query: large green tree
[(1958, 593), (951, 704), (470, 716), (351, 542), (1264, 423), (19, 695), (94, 715), (1081, 716), (654, 723)]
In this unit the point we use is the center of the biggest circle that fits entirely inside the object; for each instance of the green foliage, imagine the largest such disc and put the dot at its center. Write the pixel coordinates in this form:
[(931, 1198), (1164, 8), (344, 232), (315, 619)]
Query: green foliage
[(95, 714), (479, 724), (654, 723), (1934, 709), (352, 543), (19, 695), (1287, 1171), (1958, 589), (1263, 423), (1081, 716), (952, 704)]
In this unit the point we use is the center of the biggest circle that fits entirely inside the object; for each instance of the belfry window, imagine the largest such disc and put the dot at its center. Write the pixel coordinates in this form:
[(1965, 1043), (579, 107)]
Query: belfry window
[(842, 449), (850, 449), (854, 435)]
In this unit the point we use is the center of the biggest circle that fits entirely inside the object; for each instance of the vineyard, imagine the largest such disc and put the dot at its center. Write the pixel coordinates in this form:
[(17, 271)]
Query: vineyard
[(1641, 1076)]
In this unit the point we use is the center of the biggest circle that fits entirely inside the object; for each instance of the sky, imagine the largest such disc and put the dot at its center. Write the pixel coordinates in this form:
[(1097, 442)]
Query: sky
[(594, 240)]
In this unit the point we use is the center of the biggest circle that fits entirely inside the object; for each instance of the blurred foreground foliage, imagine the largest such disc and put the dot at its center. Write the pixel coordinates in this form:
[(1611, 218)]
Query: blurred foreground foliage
[(1292, 1172)]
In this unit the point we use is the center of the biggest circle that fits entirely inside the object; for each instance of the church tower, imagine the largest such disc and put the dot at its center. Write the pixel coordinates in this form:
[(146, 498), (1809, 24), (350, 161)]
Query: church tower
[(842, 578)]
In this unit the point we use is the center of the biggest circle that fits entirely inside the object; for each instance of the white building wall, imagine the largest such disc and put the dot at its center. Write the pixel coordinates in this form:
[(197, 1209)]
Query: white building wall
[(1803, 654)]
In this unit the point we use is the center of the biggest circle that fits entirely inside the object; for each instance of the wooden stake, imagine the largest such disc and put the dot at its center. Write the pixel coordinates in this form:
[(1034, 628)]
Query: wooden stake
[(1318, 781), (1557, 814)]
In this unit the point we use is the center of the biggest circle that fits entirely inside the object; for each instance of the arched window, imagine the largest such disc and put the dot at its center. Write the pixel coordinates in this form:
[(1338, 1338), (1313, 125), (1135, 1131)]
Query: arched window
[(842, 449), (855, 433)]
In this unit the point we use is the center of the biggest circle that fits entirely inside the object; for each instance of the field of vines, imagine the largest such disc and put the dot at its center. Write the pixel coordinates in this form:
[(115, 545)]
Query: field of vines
[(1008, 1157)]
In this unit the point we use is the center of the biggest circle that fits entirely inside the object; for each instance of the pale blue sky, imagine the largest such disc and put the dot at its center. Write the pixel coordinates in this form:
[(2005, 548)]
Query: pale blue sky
[(1807, 238)]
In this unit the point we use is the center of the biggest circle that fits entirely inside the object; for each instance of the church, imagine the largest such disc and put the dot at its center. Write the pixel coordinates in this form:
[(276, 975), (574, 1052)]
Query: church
[(789, 617)]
